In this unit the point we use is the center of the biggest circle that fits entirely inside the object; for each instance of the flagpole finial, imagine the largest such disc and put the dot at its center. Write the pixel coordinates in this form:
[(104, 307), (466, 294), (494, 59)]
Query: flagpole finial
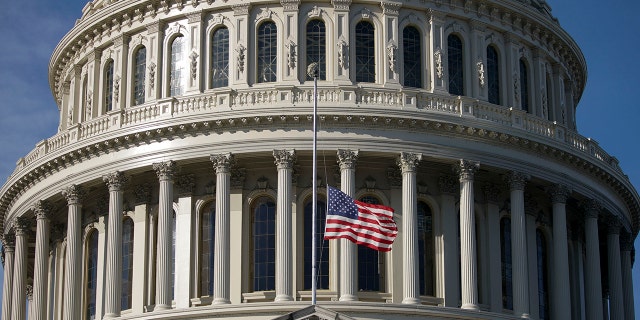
[(313, 70)]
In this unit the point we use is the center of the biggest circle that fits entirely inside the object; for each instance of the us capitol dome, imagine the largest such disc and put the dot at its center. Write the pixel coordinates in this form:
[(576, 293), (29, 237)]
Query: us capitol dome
[(179, 183)]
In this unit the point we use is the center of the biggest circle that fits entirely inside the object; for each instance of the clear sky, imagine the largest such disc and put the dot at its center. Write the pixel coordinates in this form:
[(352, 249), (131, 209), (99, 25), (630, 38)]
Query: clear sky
[(606, 31)]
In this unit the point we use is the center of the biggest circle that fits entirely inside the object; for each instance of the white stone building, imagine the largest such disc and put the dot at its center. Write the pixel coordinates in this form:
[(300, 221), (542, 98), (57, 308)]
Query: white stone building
[(179, 183)]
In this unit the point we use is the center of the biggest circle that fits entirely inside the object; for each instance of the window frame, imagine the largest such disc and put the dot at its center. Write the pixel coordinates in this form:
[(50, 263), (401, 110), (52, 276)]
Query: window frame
[(371, 74), (419, 84), (212, 57), (272, 55)]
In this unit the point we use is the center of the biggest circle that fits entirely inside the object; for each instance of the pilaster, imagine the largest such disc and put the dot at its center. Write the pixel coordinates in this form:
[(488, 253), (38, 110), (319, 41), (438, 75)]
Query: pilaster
[(439, 44), (141, 241), (448, 285), (184, 251), (241, 40), (291, 58), (195, 52)]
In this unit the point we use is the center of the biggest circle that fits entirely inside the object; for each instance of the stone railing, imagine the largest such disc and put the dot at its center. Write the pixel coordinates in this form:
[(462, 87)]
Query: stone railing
[(419, 103)]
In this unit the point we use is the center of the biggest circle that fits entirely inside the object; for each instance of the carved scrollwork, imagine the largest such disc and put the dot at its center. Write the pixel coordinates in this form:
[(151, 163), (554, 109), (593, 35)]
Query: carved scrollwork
[(115, 181), (480, 69), (284, 159), (74, 194), (222, 162), (152, 75), (240, 52), (116, 88), (347, 158), (291, 53), (194, 64), (466, 169), (392, 52), (408, 162), (343, 53), (438, 60), (166, 170)]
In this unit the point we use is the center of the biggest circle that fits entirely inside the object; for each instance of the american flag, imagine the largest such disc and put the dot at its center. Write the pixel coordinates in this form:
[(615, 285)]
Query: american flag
[(366, 224)]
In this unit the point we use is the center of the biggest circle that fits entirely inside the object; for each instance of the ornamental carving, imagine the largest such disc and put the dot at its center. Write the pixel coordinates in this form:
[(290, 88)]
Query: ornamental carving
[(391, 8), (480, 69), (265, 13), (22, 225), (284, 158), (217, 19), (240, 55), (516, 85), (238, 176), (591, 208), (9, 241), (491, 193), (152, 75), (186, 184), (222, 162), (42, 210), (240, 9), (448, 185), (516, 180), (116, 88), (291, 54), (315, 12), (466, 169), (394, 176), (613, 225), (142, 193), (438, 60), (392, 55), (341, 4), (365, 13), (89, 103), (166, 170), (74, 194), (347, 158), (559, 193), (115, 181), (343, 53), (408, 162), (290, 5), (194, 65)]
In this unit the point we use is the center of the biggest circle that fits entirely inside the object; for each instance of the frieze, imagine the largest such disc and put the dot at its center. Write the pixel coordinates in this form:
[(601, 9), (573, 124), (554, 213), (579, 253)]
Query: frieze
[(342, 5)]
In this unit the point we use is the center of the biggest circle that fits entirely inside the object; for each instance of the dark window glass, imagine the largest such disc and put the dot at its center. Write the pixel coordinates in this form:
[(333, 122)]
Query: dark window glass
[(543, 276), (178, 70), (92, 273), (220, 58), (316, 47), (108, 86), (493, 75), (322, 253), (140, 65), (85, 102), (456, 67), (524, 86), (425, 249), (127, 262), (505, 253), (365, 52), (369, 263), (548, 106), (412, 57), (267, 52), (264, 246), (206, 248)]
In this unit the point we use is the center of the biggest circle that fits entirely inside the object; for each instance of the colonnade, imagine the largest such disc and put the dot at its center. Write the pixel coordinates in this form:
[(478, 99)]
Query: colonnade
[(618, 257)]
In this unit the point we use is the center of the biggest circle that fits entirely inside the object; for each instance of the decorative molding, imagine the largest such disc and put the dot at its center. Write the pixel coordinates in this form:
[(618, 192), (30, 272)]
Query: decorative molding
[(265, 13), (517, 180), (22, 226), (347, 158), (392, 56), (194, 64), (391, 8), (342, 5), (466, 169), (343, 53), (166, 170), (240, 56), (448, 185), (559, 193), (42, 210), (480, 69), (315, 12), (240, 9), (408, 162), (290, 5), (152, 75), (591, 208), (115, 181), (284, 159), (438, 60), (365, 13), (116, 88), (74, 194), (222, 162), (291, 53)]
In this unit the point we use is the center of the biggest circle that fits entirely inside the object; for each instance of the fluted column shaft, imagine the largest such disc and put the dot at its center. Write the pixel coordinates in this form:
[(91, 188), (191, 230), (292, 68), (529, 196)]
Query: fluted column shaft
[(113, 273), (41, 267), (166, 172), (221, 254), (19, 297), (616, 296), (561, 285), (7, 286), (348, 259), (627, 280), (519, 245), (284, 249), (468, 266), (73, 275), (411, 277), (593, 286)]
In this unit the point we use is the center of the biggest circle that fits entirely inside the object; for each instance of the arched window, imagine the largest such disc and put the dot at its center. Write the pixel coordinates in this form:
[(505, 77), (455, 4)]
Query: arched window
[(139, 73), (505, 254), (455, 66), (317, 47), (524, 86), (220, 58), (127, 263), (493, 75), (412, 54), (370, 271), (178, 74), (425, 249), (267, 52), (207, 238), (322, 249), (543, 275), (365, 52), (92, 273), (108, 86), (264, 244)]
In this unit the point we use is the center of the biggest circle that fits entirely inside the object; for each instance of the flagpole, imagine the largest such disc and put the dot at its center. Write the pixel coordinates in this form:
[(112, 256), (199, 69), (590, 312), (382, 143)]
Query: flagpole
[(312, 71)]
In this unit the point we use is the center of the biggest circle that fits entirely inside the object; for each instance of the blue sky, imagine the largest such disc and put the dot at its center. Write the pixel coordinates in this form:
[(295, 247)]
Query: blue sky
[(607, 33)]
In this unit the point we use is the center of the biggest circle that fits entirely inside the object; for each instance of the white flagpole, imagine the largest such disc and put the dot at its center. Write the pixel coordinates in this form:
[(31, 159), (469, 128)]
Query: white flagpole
[(312, 71)]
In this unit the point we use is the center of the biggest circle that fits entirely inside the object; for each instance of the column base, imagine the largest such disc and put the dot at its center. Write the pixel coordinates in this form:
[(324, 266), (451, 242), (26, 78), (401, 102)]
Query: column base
[(283, 297), (160, 307), (110, 316), (411, 300), (470, 306), (348, 297), (525, 316), (221, 301)]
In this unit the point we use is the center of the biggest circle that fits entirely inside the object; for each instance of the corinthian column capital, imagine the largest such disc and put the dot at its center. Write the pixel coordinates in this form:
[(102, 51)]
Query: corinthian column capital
[(591, 208), (166, 170), (22, 225), (409, 161), (115, 181), (613, 225), (222, 162), (466, 169), (559, 193), (517, 180), (284, 158), (347, 158), (74, 194), (42, 209)]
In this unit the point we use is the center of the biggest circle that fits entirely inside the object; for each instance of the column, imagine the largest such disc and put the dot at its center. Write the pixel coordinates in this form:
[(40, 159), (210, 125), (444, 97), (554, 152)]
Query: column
[(221, 262), (593, 286), (411, 276), (29, 293), (8, 245), (616, 296), (627, 279), (348, 259), (113, 274), (520, 273), (561, 305), (468, 268), (141, 278), (166, 172), (73, 275), (21, 226), (183, 250), (448, 274), (42, 210), (284, 160), (491, 193)]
